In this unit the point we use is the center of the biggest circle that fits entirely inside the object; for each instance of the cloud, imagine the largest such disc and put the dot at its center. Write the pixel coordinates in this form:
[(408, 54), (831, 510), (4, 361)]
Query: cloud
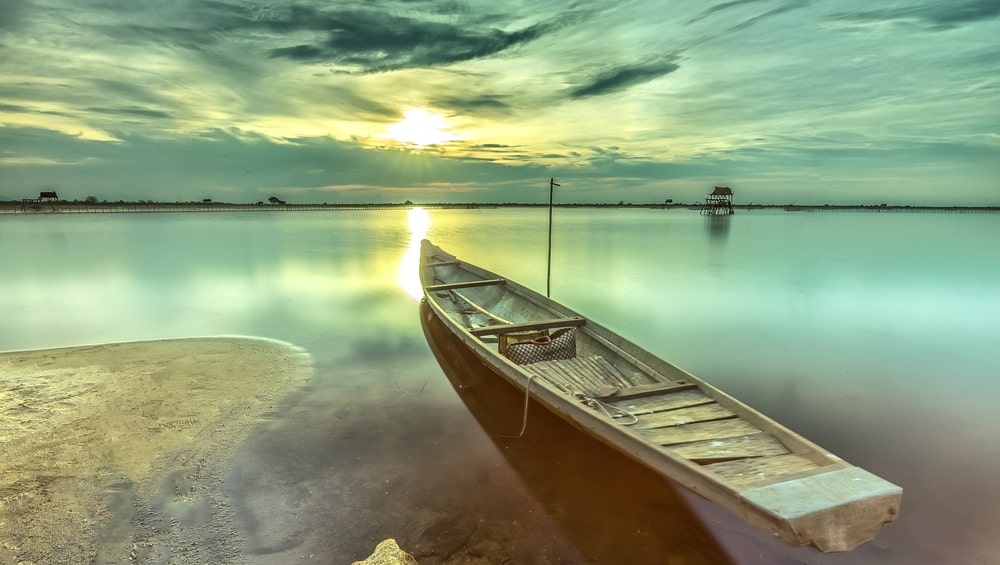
[(233, 166), (340, 98), (725, 6), (623, 77), (721, 7), (232, 96), (936, 15), (768, 14), (477, 104), (15, 109), (376, 41), (131, 111), (125, 89), (12, 14)]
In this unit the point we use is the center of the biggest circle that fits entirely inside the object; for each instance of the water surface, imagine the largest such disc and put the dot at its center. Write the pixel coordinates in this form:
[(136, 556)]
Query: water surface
[(875, 335)]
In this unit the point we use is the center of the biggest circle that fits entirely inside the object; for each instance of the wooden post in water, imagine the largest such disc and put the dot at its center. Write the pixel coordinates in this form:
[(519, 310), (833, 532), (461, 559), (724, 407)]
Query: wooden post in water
[(548, 269)]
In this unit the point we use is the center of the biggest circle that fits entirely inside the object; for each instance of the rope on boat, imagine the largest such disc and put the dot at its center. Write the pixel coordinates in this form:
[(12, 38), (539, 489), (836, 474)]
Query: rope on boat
[(598, 404), (524, 422), (595, 403)]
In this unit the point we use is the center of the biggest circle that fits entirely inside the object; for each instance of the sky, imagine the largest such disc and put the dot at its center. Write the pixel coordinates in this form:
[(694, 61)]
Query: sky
[(786, 101)]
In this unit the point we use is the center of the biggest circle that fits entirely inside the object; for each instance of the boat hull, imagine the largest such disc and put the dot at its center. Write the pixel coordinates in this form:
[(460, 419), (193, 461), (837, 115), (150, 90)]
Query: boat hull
[(798, 491)]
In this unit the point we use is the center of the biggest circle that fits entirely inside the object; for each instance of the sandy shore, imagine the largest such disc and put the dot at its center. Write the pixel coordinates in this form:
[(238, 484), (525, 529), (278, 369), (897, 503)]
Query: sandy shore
[(112, 453)]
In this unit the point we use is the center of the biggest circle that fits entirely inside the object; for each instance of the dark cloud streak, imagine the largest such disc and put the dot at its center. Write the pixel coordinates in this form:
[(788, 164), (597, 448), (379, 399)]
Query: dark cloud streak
[(377, 42), (130, 111), (22, 109), (719, 8), (938, 16), (484, 105), (355, 102), (15, 109), (768, 14), (624, 77)]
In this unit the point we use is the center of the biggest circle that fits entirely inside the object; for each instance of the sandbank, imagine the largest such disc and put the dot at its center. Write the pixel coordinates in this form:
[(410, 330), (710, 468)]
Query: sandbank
[(96, 439)]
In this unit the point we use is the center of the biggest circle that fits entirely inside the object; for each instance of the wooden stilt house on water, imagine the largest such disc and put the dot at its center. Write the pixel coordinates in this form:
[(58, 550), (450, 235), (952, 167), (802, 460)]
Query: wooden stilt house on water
[(719, 202)]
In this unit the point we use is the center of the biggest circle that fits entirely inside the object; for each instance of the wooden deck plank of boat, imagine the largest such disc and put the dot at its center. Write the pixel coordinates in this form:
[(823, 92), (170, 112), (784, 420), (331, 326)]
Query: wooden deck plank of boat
[(756, 469), (689, 415), (649, 405), (549, 370), (721, 429), (603, 367), (718, 450), (596, 380), (587, 375)]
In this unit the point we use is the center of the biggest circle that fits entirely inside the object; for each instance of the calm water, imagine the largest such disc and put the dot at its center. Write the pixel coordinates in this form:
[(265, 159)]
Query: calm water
[(875, 335)]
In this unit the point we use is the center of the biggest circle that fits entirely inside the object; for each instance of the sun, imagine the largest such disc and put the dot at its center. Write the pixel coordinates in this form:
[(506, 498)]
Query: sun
[(421, 128)]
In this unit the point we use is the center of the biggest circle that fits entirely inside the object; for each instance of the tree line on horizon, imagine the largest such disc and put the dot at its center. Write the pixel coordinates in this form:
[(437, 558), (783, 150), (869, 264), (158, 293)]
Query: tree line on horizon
[(669, 203)]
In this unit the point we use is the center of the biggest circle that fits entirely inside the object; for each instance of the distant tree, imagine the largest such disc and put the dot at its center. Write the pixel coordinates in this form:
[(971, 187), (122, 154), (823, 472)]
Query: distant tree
[(275, 200)]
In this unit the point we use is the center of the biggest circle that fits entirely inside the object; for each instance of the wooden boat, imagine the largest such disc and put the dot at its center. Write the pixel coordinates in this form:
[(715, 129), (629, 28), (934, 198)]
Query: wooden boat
[(660, 415)]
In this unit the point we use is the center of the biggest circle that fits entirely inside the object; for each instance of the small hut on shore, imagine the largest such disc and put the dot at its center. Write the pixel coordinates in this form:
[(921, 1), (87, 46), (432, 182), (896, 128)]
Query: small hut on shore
[(719, 202)]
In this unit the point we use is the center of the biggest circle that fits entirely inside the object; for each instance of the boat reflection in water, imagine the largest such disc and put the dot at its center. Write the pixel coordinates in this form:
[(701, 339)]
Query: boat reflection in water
[(614, 510)]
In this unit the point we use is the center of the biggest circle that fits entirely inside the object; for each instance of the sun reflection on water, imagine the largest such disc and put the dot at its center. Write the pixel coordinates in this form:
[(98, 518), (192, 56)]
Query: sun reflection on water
[(409, 276)]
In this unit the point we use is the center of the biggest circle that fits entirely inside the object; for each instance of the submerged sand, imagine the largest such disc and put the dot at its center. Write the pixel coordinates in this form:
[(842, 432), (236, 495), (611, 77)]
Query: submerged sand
[(113, 453)]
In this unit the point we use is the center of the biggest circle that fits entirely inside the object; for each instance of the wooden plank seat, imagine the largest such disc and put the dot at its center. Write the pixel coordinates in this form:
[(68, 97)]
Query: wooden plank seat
[(466, 284), (654, 404), (654, 389), (523, 326)]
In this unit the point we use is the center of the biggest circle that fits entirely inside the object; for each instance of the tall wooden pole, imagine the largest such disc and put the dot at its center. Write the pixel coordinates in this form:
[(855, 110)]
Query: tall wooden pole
[(548, 270)]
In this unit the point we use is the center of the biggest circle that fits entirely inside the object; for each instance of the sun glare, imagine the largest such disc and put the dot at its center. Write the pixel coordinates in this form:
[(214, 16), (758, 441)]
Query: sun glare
[(419, 221), (409, 274), (421, 128)]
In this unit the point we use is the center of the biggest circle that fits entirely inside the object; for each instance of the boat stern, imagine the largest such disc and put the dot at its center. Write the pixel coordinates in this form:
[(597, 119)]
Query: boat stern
[(834, 511)]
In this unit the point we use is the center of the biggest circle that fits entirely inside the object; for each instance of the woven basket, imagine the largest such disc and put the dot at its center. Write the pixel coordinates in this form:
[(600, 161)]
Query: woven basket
[(524, 348)]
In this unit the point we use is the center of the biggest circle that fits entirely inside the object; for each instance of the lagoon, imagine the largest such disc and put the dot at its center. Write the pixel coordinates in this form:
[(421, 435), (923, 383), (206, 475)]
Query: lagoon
[(874, 335)]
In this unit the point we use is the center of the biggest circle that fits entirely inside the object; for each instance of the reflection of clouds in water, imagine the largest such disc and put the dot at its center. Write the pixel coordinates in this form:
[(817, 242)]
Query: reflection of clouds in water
[(297, 277), (409, 276), (305, 278)]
